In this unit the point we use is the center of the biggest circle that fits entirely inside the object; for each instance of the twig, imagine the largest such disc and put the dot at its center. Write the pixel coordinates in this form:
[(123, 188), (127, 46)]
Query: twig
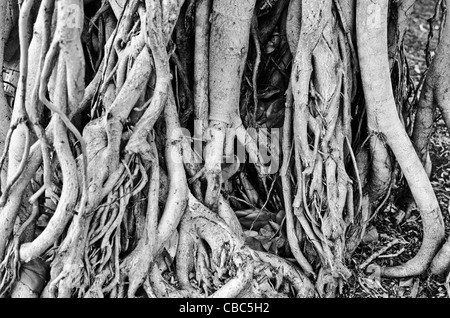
[(393, 255), (358, 178), (256, 40), (377, 254)]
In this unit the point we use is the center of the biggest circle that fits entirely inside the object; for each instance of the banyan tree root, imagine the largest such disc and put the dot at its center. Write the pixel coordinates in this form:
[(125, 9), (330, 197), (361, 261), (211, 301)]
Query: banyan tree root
[(319, 160), (136, 266), (227, 56), (431, 95), (434, 94), (12, 204), (103, 137), (67, 97), (248, 271), (67, 273), (70, 64), (441, 262), (122, 222), (5, 110), (371, 20), (201, 60), (156, 40), (19, 133), (156, 234)]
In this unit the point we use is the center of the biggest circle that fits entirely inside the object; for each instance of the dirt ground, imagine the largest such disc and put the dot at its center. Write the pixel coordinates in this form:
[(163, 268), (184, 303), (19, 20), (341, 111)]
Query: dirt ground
[(385, 228)]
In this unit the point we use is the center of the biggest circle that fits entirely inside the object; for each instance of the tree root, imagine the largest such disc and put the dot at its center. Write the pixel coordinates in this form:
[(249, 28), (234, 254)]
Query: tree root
[(19, 133), (371, 24), (229, 257), (226, 66), (125, 219), (201, 61), (136, 266), (319, 158), (69, 193)]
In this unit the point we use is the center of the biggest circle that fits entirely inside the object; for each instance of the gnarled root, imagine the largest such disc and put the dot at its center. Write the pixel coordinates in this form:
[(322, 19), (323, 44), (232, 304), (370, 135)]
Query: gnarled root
[(434, 93), (319, 133), (373, 56), (135, 267), (248, 271)]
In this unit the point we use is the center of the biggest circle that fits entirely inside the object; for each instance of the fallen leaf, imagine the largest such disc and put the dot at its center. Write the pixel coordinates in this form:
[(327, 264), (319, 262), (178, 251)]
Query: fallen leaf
[(371, 235)]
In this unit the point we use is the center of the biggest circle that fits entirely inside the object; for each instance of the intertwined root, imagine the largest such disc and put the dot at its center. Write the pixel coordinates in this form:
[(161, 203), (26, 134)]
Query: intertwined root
[(323, 203), (128, 223), (224, 266)]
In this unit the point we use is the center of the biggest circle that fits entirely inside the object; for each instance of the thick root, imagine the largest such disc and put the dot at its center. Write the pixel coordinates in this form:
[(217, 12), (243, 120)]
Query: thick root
[(373, 56), (229, 257)]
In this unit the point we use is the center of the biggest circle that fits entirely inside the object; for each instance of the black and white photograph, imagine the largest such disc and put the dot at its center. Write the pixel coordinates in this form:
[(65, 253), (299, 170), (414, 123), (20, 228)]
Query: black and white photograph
[(224, 156)]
